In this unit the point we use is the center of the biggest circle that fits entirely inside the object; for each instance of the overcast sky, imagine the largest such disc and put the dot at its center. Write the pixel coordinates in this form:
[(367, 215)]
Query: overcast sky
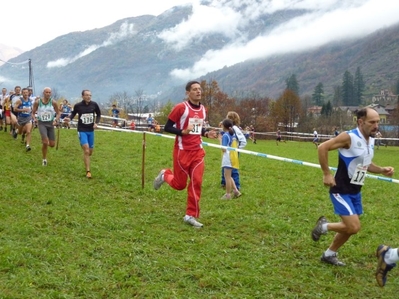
[(27, 24), (41, 21)]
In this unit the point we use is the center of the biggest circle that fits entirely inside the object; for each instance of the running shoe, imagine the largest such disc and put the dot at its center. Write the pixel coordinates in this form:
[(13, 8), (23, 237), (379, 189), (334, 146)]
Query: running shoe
[(382, 267), (318, 229), (44, 163), (28, 148), (192, 221), (88, 174), (226, 196), (237, 194), (333, 260), (159, 180)]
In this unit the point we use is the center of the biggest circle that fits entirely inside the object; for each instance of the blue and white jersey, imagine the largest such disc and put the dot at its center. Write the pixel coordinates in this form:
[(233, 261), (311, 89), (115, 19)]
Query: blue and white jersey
[(25, 104), (115, 113), (359, 154), (66, 109)]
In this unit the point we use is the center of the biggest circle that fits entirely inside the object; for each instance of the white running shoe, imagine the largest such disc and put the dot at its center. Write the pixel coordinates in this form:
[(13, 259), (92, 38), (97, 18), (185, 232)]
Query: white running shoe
[(192, 221), (226, 196), (159, 180), (237, 194), (44, 163)]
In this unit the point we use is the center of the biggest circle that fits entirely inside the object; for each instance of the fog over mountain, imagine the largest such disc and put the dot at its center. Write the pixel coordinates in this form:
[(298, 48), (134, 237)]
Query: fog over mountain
[(7, 52), (158, 54)]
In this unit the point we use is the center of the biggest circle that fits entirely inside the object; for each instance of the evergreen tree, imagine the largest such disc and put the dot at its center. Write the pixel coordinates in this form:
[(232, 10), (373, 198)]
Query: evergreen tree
[(347, 89), (358, 87), (337, 98), (318, 94), (292, 84), (326, 109)]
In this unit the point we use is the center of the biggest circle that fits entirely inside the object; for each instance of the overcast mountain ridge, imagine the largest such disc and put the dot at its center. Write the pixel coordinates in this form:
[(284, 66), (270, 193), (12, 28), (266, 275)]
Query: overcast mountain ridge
[(132, 55)]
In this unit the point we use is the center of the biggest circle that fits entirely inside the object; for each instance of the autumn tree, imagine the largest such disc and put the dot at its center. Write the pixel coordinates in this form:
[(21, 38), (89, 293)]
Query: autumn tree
[(287, 108), (216, 102), (254, 110)]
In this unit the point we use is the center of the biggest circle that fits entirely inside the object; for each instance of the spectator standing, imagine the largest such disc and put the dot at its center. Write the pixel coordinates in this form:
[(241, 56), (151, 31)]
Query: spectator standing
[(229, 159), (242, 142)]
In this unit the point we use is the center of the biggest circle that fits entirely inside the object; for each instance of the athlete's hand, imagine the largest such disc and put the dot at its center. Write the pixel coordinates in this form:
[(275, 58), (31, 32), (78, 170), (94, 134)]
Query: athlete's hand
[(329, 180), (388, 171), (95, 126), (212, 134)]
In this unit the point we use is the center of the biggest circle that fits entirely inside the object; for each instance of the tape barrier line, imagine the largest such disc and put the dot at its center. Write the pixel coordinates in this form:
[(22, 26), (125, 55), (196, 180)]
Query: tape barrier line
[(298, 162)]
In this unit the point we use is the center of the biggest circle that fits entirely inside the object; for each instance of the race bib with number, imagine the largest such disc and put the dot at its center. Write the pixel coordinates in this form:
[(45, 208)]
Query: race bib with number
[(197, 124), (87, 118), (359, 175), (46, 116)]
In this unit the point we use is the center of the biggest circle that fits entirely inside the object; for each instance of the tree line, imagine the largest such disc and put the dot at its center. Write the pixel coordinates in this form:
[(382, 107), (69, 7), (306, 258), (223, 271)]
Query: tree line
[(288, 112)]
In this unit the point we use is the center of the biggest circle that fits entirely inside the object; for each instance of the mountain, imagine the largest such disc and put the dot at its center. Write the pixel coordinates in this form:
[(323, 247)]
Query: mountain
[(377, 55), (129, 56)]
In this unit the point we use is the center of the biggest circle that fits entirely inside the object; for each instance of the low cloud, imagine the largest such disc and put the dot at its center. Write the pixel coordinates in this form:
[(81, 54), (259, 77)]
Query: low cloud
[(124, 32), (322, 22)]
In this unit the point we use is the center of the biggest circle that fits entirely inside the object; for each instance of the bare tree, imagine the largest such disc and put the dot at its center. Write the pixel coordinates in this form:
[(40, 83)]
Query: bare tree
[(140, 99), (121, 100)]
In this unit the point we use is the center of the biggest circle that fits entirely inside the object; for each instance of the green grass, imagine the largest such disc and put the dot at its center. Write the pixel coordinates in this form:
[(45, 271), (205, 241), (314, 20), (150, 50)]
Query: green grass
[(63, 236)]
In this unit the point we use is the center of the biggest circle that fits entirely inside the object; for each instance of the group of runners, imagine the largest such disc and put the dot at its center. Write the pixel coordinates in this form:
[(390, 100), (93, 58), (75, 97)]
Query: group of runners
[(21, 112), (16, 109)]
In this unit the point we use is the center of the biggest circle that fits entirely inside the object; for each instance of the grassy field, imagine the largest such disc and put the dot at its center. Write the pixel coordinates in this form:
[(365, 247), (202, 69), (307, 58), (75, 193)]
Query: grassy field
[(64, 236)]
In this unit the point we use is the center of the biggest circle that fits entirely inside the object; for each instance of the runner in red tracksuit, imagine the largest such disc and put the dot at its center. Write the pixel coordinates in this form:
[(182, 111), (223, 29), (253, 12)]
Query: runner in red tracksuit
[(186, 121)]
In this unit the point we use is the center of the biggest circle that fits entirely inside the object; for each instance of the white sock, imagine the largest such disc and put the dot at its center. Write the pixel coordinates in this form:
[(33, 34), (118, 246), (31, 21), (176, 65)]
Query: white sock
[(329, 252), (391, 256), (324, 227)]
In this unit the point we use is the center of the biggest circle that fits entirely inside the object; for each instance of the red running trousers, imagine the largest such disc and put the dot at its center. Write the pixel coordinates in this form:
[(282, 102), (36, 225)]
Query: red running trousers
[(187, 164)]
